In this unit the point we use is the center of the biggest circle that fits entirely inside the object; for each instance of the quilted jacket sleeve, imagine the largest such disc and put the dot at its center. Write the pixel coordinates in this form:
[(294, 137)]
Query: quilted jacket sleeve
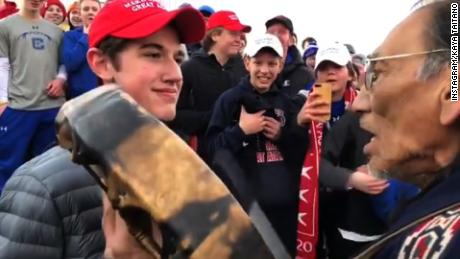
[(51, 208), (30, 226)]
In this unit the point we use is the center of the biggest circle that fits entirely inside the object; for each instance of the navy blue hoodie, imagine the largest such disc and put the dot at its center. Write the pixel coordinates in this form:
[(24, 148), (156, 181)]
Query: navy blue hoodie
[(272, 168)]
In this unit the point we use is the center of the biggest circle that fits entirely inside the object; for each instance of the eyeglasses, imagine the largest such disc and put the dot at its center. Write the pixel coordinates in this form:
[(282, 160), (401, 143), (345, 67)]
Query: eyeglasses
[(370, 74)]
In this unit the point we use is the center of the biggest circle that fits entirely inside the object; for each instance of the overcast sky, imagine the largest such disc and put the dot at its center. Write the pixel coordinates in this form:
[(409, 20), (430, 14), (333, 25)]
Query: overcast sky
[(363, 23)]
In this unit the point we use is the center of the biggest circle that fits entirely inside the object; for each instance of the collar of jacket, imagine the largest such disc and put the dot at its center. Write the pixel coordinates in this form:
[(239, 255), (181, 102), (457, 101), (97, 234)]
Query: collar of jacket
[(212, 59), (293, 61), (440, 194)]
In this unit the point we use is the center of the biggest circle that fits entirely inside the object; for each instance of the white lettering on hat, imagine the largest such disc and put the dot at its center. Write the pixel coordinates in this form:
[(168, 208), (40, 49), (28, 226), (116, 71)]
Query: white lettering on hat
[(233, 17), (137, 5), (330, 50), (142, 6), (265, 41)]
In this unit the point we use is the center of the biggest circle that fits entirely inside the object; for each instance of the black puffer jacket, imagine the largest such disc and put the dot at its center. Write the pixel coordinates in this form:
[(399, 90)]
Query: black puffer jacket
[(51, 208), (205, 79), (295, 75)]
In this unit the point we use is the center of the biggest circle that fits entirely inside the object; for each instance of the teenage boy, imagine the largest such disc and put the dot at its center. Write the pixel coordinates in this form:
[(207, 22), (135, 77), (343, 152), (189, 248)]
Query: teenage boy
[(257, 132), (29, 47), (295, 75), (50, 196), (208, 74)]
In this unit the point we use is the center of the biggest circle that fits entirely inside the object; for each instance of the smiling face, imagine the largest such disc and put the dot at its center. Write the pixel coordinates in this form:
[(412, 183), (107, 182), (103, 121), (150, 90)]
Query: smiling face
[(54, 14), (412, 140), (263, 69), (148, 70), (228, 42), (310, 62), (75, 18), (88, 10)]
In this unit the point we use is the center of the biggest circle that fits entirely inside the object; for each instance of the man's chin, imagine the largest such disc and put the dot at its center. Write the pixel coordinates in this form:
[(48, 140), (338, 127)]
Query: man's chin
[(420, 172)]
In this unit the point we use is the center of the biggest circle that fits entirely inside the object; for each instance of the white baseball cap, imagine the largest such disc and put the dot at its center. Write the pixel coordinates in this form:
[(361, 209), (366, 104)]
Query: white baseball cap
[(336, 52), (264, 41)]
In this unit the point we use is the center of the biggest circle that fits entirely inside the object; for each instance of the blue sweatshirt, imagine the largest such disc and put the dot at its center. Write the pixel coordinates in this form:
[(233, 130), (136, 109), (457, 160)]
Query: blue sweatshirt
[(272, 168), (72, 54), (397, 193)]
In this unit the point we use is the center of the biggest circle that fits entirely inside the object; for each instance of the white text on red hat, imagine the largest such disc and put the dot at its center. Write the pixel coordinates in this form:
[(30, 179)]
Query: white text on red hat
[(137, 5)]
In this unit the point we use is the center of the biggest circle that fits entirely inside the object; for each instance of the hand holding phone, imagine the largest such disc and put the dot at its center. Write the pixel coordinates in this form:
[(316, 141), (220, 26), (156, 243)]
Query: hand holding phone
[(324, 90)]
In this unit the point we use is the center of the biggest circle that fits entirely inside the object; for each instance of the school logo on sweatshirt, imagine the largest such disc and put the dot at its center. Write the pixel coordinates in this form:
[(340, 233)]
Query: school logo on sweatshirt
[(430, 239), (271, 154)]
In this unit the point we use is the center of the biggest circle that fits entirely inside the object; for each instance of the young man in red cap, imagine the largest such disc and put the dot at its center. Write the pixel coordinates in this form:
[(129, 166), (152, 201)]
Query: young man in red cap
[(295, 75), (54, 12), (208, 74), (52, 197)]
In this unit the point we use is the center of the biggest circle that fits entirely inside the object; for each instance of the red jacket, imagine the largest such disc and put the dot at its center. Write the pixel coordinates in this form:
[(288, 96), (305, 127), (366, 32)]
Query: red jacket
[(9, 9)]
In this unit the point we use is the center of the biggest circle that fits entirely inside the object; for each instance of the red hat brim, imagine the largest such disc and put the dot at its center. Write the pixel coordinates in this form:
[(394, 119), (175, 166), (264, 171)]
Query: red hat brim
[(238, 27)]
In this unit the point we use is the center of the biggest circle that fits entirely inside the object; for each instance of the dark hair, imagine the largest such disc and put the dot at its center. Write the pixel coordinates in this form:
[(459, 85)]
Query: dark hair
[(71, 26), (309, 40), (112, 46), (350, 48), (207, 41), (437, 37), (294, 37)]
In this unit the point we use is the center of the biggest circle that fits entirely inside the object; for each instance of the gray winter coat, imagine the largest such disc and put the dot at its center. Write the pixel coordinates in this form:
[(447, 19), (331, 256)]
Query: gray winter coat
[(51, 208)]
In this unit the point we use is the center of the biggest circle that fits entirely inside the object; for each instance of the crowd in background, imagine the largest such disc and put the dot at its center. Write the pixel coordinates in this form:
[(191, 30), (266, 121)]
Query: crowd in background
[(251, 103)]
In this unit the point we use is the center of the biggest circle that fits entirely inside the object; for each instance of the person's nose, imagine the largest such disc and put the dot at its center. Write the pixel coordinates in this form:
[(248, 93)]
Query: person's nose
[(362, 103)]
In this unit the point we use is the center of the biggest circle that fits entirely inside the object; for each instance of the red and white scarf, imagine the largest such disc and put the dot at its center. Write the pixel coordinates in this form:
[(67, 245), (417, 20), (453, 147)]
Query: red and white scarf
[(307, 226)]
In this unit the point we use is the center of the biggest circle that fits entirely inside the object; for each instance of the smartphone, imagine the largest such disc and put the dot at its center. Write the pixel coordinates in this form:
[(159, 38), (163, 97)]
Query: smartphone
[(325, 91)]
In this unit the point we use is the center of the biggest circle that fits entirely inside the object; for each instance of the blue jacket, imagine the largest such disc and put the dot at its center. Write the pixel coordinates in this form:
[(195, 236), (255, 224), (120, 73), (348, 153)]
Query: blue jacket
[(389, 199), (72, 54)]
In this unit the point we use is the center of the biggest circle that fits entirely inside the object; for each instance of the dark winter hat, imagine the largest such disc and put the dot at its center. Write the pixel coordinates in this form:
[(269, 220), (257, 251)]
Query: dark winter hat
[(283, 20)]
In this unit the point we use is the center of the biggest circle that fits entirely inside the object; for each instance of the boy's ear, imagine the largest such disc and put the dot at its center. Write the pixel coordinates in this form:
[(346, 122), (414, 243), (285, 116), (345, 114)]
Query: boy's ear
[(246, 60), (291, 40), (281, 64), (100, 64)]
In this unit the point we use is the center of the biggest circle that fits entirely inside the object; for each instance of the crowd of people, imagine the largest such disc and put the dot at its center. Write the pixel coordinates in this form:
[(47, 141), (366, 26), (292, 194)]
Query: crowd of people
[(371, 172)]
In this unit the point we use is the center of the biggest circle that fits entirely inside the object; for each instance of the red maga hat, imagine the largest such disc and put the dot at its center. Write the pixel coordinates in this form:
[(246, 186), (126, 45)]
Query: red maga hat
[(227, 20), (133, 19)]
